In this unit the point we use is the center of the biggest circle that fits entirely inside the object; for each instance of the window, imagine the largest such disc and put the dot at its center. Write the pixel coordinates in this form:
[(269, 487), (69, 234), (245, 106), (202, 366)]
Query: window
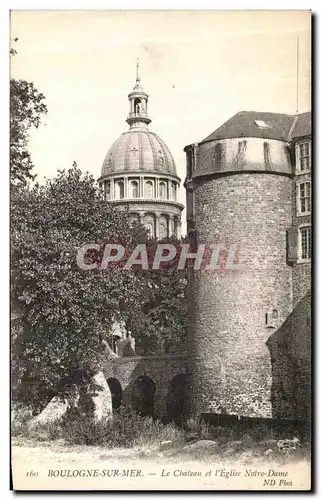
[(304, 198), (305, 243), (148, 189), (261, 124), (162, 190), (119, 190), (174, 192), (162, 231), (303, 152), (134, 189), (137, 106), (107, 190), (150, 228)]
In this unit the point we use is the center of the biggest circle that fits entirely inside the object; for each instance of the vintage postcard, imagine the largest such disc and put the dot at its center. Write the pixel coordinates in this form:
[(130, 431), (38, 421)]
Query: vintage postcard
[(161, 246)]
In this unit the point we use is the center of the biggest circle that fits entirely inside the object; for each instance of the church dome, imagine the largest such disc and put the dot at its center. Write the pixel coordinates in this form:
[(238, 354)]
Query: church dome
[(139, 173), (138, 150)]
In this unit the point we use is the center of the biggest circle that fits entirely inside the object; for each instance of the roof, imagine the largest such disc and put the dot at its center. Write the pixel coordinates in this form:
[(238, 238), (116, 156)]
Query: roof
[(265, 125), (139, 150), (302, 126)]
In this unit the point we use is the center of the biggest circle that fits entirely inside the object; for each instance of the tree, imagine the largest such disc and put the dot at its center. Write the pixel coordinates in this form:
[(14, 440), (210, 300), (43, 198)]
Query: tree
[(66, 312), (161, 327), (26, 110)]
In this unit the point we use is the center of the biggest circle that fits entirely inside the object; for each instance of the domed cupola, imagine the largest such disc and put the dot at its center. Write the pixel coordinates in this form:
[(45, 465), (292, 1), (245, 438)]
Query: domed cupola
[(138, 99), (139, 171)]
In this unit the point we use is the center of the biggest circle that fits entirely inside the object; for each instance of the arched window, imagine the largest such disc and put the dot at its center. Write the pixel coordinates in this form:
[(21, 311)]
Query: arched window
[(119, 188), (162, 190), (149, 228), (174, 192), (134, 189), (162, 231), (148, 189), (137, 106)]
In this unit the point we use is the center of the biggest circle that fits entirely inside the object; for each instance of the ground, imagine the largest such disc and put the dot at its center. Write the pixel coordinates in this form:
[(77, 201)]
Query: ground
[(202, 464)]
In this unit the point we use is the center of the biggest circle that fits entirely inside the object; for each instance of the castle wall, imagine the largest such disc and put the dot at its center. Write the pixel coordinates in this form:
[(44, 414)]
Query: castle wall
[(160, 369), (290, 348), (230, 367)]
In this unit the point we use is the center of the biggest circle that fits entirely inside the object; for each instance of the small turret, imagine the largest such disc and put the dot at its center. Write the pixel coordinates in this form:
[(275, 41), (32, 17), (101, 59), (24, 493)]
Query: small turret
[(138, 99)]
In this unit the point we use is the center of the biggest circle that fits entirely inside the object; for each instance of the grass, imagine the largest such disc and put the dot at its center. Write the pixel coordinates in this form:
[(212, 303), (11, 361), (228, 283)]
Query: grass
[(136, 436), (126, 429)]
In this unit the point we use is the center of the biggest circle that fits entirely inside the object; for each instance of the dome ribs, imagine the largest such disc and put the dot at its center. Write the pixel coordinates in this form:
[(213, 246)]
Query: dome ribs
[(138, 151)]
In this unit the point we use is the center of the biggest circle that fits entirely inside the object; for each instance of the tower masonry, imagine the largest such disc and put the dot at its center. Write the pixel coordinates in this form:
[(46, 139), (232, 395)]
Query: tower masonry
[(247, 184)]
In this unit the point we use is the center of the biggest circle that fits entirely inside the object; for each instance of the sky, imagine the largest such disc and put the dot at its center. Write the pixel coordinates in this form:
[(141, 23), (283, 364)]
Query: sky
[(198, 67)]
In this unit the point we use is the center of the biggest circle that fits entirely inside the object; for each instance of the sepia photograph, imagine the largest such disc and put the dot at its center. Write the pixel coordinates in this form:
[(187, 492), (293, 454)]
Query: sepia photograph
[(160, 250)]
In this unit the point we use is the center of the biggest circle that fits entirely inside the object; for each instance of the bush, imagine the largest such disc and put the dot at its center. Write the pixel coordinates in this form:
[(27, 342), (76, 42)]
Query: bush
[(195, 427), (126, 429)]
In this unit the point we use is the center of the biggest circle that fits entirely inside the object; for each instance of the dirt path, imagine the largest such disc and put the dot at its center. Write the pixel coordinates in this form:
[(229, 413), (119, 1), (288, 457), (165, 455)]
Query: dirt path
[(55, 465)]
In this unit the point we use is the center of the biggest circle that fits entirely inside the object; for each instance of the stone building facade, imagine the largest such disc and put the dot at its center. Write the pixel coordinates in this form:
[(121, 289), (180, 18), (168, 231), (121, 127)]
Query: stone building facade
[(249, 184), (139, 172)]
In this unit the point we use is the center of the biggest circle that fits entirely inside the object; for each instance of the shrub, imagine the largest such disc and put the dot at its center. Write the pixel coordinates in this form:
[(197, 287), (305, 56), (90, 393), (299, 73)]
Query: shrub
[(196, 427), (124, 430)]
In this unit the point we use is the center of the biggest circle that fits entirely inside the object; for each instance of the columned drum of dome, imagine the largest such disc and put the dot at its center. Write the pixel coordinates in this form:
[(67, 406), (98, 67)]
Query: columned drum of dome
[(139, 172)]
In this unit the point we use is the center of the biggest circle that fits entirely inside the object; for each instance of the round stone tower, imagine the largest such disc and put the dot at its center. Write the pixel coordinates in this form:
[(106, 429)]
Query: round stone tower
[(139, 172), (238, 193)]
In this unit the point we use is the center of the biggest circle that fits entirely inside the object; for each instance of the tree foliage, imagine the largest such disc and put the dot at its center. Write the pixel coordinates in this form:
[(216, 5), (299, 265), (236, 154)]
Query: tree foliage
[(65, 312), (26, 110), (161, 327)]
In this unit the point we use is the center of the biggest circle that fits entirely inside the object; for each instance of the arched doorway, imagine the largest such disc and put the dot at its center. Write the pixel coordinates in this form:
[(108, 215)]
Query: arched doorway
[(143, 396), (176, 398), (116, 392)]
